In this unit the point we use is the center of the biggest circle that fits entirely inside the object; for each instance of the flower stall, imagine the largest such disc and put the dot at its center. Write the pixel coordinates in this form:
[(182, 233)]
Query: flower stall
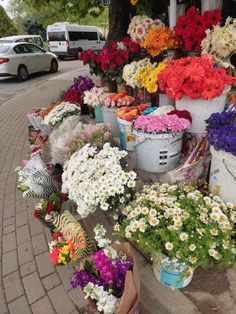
[(79, 174)]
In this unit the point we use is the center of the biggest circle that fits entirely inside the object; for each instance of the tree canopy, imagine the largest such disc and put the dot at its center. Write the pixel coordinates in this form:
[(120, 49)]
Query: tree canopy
[(7, 27)]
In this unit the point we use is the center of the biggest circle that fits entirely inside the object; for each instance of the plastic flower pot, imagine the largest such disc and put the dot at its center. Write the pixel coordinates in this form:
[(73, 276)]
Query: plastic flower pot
[(172, 275), (127, 139), (98, 115), (223, 174), (109, 116), (158, 153), (201, 109)]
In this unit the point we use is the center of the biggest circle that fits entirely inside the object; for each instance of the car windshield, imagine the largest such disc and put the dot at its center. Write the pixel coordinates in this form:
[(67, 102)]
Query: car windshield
[(4, 49)]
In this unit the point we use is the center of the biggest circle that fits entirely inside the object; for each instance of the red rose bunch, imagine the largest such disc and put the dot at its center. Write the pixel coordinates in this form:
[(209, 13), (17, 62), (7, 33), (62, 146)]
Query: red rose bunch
[(194, 77), (192, 26), (110, 61), (53, 203)]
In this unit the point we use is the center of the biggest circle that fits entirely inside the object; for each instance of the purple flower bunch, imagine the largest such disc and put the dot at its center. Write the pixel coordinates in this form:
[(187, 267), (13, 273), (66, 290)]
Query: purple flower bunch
[(221, 131), (82, 84), (82, 278), (107, 273)]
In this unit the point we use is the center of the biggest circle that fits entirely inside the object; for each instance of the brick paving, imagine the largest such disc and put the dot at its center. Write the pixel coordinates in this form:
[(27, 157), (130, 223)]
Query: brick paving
[(29, 283)]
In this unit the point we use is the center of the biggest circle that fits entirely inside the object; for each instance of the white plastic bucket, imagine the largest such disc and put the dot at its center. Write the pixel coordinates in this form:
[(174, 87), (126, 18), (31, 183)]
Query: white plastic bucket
[(158, 153), (164, 100), (223, 175), (127, 139), (211, 5), (109, 116), (172, 275), (201, 109)]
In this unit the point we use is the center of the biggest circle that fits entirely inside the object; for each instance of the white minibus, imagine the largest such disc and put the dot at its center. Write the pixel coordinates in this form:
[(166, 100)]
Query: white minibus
[(68, 40)]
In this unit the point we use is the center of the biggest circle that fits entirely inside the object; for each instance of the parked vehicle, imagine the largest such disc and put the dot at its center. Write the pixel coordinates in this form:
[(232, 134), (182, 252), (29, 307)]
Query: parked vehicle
[(33, 39), (23, 59), (68, 40)]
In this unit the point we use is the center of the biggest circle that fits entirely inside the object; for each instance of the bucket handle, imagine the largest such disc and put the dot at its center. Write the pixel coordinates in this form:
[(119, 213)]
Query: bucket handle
[(228, 170)]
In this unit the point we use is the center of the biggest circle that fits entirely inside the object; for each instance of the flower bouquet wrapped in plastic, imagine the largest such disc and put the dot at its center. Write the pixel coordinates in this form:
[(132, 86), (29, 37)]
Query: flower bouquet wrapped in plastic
[(73, 233), (109, 279), (35, 179)]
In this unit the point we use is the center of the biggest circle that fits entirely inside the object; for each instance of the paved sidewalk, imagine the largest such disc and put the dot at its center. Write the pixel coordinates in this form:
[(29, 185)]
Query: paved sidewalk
[(29, 283)]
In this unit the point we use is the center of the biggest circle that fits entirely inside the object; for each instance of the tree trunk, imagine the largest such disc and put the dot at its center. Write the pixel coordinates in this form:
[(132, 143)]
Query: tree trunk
[(119, 19)]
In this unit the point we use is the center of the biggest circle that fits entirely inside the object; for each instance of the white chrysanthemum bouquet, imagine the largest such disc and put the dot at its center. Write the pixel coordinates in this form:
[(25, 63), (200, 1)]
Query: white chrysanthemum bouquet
[(57, 114), (97, 179)]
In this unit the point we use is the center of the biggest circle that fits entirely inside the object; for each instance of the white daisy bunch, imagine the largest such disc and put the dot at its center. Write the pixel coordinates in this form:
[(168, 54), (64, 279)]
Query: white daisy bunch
[(221, 42), (140, 25), (94, 97), (96, 179), (61, 137), (57, 114), (130, 72), (104, 243), (106, 301), (182, 223)]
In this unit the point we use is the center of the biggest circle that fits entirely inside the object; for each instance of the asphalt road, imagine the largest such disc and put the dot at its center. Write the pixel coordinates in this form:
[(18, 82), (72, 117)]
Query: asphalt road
[(11, 86)]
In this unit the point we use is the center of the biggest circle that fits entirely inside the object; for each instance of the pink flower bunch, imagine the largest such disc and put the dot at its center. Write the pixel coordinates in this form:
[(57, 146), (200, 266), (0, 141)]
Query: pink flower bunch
[(105, 267), (161, 124)]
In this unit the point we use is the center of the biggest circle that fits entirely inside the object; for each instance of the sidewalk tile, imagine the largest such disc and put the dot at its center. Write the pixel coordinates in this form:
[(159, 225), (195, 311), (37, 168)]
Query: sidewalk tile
[(39, 243), (9, 211), (51, 281), (35, 227), (9, 221), (9, 229), (23, 234), (3, 305), (65, 273), (21, 218), (33, 287), (44, 264), (25, 253), (20, 306), (43, 306), (13, 286), (9, 262), (9, 242), (60, 300), (27, 268)]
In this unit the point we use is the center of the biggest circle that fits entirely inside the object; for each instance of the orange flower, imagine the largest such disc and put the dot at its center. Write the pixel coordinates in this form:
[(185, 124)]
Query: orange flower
[(158, 40)]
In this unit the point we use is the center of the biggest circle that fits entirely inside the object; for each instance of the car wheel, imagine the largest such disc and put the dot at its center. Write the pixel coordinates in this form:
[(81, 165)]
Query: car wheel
[(54, 66), (22, 73)]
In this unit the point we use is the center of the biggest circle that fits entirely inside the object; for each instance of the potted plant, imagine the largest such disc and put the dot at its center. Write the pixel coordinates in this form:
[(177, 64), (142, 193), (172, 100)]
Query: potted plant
[(161, 136), (182, 228), (221, 133), (197, 86)]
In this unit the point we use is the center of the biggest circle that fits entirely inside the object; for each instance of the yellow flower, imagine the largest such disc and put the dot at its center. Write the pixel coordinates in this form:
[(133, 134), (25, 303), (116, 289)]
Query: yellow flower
[(116, 227), (133, 2), (61, 259), (64, 250)]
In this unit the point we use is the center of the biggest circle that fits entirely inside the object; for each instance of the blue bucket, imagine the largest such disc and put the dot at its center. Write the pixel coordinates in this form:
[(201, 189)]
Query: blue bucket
[(127, 139), (173, 275), (98, 115)]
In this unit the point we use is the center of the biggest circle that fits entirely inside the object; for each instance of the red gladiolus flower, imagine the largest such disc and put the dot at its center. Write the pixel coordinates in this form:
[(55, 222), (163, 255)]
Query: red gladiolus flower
[(54, 255), (57, 235)]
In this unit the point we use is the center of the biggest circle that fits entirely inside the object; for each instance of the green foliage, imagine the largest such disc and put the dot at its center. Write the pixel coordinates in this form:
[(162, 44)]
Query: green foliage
[(7, 27)]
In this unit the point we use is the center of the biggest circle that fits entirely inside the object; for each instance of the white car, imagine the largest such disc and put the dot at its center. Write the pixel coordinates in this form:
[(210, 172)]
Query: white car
[(23, 59)]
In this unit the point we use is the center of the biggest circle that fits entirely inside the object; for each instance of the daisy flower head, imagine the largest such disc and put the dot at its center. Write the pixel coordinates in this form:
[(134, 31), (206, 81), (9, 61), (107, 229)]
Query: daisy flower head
[(192, 247), (169, 246), (153, 221), (183, 236)]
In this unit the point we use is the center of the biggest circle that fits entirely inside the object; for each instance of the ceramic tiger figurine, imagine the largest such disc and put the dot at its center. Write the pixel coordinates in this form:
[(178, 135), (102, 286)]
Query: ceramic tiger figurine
[(74, 232)]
